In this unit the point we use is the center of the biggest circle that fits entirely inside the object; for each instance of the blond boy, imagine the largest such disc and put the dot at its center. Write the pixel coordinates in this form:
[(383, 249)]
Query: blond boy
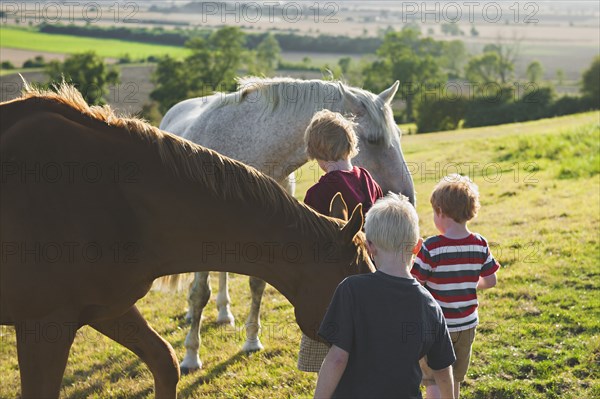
[(379, 325)]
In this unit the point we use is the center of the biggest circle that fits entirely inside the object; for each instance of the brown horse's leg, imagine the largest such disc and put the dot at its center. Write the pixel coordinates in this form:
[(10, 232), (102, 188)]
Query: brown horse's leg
[(133, 332), (43, 349)]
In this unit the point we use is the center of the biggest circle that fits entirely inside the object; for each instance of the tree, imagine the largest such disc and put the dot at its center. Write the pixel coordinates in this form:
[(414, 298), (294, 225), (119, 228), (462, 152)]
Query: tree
[(172, 83), (560, 76), (212, 65), (591, 81), (377, 74), (495, 65), (344, 64), (214, 61), (7, 65), (454, 57), (413, 60), (89, 74), (535, 72), (37, 62), (268, 53), (484, 68), (150, 112), (412, 25), (508, 54), (451, 29)]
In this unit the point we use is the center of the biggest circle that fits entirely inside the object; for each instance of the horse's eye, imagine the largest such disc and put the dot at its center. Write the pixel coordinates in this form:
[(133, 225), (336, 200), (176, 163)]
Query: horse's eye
[(373, 140)]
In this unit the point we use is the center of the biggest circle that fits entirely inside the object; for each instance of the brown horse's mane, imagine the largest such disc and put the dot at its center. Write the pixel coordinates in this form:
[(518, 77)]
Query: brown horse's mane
[(224, 177)]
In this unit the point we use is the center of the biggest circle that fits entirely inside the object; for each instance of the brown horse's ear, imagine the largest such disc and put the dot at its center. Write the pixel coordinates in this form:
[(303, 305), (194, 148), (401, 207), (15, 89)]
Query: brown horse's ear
[(338, 208), (354, 225)]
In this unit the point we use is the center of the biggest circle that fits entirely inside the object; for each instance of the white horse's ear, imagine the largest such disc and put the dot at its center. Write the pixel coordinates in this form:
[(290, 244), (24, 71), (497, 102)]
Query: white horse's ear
[(388, 94), (351, 102)]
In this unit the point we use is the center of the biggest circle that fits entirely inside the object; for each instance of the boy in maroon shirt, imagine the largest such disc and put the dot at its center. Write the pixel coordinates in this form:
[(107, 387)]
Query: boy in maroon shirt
[(331, 140)]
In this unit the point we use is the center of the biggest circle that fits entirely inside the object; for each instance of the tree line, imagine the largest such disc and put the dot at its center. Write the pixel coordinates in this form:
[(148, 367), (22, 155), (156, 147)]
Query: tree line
[(179, 37), (442, 86)]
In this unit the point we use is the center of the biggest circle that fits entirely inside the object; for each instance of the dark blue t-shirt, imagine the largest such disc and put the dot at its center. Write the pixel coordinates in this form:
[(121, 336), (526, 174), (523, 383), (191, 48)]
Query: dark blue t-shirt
[(386, 324)]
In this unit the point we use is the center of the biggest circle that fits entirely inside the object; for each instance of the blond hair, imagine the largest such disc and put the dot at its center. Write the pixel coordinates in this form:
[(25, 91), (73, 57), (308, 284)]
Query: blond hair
[(456, 197), (330, 137), (392, 225)]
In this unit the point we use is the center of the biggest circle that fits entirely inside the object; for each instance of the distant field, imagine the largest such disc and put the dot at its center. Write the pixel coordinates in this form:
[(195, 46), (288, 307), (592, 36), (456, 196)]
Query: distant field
[(30, 40), (20, 44), (572, 55)]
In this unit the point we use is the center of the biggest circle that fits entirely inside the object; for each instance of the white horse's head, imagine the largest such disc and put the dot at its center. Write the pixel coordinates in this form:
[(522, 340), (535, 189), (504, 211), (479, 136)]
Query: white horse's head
[(379, 138)]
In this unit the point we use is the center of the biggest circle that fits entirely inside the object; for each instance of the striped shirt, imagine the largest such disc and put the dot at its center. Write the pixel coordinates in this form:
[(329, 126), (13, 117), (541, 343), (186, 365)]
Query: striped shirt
[(450, 270)]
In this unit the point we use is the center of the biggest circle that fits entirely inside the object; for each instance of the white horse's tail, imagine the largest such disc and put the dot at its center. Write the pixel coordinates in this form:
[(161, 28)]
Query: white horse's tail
[(174, 282)]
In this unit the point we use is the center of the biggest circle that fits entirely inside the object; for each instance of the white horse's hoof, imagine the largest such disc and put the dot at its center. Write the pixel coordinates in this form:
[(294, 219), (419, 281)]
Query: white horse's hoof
[(187, 370), (225, 317), (252, 345), (190, 364)]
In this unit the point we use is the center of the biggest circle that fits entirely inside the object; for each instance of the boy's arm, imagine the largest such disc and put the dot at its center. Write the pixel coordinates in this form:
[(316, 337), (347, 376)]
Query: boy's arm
[(331, 372), (487, 276), (486, 282), (422, 269), (445, 382)]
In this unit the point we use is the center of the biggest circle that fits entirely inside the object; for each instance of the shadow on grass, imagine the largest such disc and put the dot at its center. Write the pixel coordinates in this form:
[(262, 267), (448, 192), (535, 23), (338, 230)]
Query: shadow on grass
[(131, 369), (213, 373)]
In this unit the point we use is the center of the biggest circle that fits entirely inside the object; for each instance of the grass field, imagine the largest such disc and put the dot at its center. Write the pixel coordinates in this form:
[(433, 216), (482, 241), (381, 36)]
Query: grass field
[(31, 40), (540, 327)]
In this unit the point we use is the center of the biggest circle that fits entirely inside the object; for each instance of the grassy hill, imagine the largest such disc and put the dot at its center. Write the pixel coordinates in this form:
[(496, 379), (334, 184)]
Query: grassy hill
[(540, 327)]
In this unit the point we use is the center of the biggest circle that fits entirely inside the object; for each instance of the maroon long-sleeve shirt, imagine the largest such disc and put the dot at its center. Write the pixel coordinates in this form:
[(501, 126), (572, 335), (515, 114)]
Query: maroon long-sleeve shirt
[(357, 187)]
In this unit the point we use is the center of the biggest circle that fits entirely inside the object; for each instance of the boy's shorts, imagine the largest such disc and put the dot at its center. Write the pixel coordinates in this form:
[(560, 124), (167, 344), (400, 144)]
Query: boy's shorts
[(311, 355), (462, 341)]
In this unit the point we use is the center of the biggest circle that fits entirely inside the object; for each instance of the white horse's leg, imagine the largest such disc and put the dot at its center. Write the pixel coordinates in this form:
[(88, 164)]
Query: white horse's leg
[(257, 287), (253, 344), (198, 298), (225, 316), (188, 315)]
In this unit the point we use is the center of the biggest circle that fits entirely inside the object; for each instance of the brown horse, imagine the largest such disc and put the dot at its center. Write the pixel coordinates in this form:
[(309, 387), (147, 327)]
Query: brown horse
[(88, 223)]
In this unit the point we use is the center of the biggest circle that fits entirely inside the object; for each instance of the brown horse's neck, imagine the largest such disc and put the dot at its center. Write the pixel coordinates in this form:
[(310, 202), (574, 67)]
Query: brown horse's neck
[(190, 226)]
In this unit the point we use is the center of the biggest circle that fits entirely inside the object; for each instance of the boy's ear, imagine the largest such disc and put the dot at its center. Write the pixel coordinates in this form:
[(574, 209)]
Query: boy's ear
[(354, 225), (418, 246), (338, 208), (372, 248)]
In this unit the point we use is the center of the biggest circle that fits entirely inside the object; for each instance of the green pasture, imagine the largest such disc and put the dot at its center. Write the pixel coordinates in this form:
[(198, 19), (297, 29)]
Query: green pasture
[(540, 327), (31, 40)]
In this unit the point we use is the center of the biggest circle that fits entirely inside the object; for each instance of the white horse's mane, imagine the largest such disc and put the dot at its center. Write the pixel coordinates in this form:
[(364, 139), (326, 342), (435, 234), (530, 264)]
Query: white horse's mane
[(303, 98)]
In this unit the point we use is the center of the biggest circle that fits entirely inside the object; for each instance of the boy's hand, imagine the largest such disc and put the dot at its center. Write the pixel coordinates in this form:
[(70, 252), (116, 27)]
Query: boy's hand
[(331, 372), (486, 282), (445, 382)]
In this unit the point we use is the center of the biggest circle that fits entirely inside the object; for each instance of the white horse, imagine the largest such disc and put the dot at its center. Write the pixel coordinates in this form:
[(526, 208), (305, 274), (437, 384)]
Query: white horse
[(263, 124)]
